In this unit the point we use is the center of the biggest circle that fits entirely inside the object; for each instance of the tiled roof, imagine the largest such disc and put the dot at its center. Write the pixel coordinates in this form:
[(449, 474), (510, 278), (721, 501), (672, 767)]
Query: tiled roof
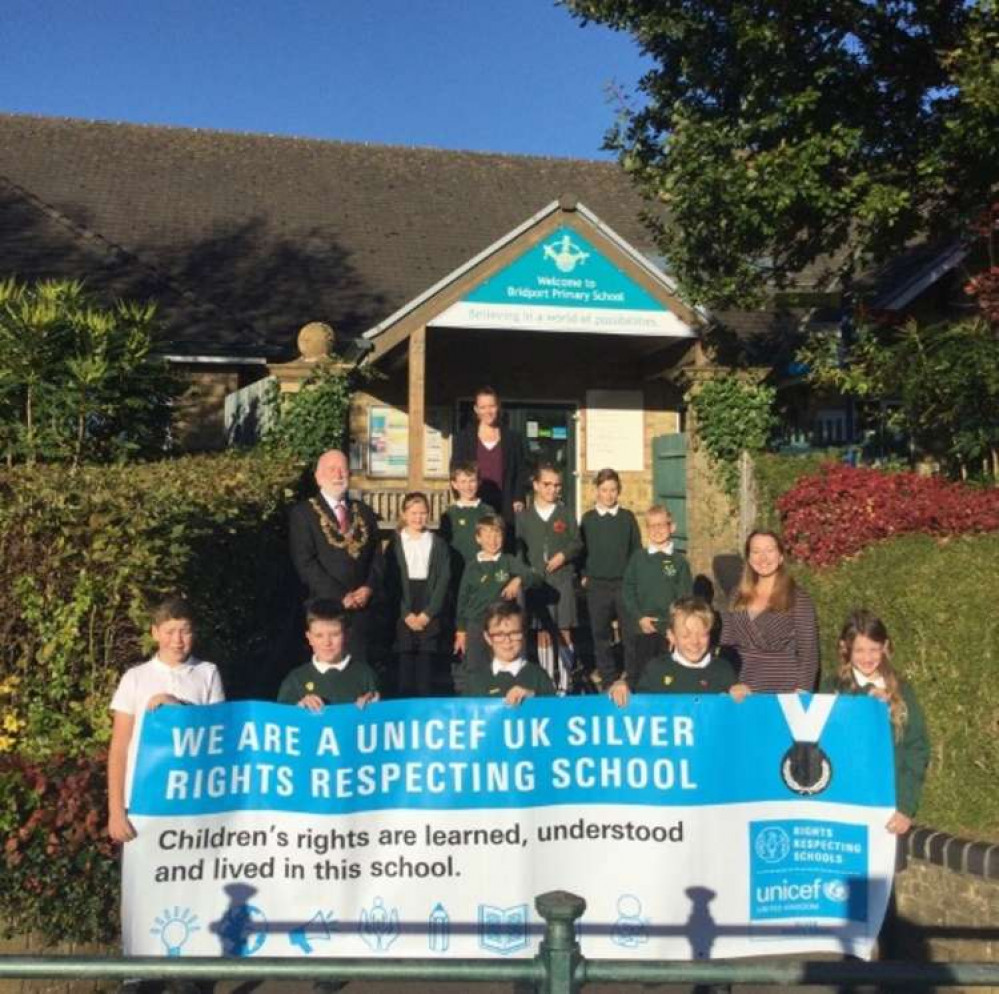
[(243, 238)]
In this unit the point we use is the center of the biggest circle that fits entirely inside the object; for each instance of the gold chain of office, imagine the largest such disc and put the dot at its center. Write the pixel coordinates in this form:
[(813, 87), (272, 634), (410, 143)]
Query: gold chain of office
[(356, 537)]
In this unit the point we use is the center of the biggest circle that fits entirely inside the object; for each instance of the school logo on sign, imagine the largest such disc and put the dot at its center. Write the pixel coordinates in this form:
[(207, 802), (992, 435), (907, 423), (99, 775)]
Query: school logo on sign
[(564, 283), (565, 253)]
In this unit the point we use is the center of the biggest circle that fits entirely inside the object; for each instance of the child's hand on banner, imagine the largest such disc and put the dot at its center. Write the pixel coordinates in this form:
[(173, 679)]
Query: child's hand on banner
[(119, 827), (517, 695), (619, 693), (899, 824)]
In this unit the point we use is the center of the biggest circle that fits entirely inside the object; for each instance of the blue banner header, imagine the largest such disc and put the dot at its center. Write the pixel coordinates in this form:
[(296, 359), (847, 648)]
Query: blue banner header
[(660, 751)]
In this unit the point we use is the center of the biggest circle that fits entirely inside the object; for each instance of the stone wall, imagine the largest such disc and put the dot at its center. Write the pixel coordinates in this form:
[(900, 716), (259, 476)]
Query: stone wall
[(946, 902), (712, 517)]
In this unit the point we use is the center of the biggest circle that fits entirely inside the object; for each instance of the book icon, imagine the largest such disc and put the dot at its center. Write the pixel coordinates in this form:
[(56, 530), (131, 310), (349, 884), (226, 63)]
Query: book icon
[(503, 930)]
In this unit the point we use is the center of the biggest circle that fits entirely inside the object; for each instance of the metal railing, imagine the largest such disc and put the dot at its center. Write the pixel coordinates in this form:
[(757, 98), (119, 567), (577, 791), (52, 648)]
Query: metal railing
[(558, 968), (387, 504)]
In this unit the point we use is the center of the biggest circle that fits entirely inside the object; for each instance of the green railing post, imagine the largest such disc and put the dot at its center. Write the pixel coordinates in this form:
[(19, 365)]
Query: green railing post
[(559, 952)]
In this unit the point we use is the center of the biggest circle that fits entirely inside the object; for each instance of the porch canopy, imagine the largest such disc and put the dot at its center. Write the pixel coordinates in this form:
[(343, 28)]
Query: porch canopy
[(562, 272)]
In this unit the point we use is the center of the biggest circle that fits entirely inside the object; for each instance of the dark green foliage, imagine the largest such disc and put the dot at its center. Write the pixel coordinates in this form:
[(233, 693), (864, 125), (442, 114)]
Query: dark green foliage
[(82, 553), (937, 598), (943, 381), (306, 424), (78, 380), (775, 133), (732, 417)]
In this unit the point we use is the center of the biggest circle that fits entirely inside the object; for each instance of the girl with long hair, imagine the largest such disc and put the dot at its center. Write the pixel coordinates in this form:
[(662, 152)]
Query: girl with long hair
[(865, 667)]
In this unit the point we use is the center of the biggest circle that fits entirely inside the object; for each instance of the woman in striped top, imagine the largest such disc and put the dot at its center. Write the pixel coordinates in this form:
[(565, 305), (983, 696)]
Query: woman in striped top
[(771, 627)]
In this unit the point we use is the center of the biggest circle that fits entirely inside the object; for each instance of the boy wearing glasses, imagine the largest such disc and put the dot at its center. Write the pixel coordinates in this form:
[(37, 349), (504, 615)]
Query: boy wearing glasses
[(511, 676)]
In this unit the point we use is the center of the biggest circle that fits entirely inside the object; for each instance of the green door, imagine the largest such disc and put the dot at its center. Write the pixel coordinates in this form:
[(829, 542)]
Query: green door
[(550, 433), (669, 481)]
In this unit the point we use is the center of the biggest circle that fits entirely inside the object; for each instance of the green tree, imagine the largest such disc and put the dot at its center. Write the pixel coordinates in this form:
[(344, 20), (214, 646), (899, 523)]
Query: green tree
[(944, 380), (79, 380), (775, 133)]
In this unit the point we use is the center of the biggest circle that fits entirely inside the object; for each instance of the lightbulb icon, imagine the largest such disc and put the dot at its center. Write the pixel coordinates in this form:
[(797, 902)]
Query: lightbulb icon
[(174, 927)]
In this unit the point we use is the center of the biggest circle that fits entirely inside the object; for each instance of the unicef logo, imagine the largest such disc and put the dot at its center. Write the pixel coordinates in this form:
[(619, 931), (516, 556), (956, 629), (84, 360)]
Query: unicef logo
[(772, 844), (836, 890)]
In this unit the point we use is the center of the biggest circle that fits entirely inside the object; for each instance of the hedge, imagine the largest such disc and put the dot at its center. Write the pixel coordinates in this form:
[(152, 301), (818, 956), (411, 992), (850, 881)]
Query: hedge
[(59, 872), (83, 553), (935, 592), (938, 599), (842, 509)]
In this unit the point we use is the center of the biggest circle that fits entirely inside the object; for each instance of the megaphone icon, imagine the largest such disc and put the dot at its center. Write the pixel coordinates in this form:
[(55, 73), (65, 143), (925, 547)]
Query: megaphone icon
[(319, 928)]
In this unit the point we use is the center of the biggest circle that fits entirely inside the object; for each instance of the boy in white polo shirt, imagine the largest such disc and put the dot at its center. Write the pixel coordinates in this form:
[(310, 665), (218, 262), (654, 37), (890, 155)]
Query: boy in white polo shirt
[(172, 676)]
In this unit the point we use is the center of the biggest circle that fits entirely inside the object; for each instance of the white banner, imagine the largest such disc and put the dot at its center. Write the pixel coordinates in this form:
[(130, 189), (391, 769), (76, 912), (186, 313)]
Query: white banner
[(695, 828)]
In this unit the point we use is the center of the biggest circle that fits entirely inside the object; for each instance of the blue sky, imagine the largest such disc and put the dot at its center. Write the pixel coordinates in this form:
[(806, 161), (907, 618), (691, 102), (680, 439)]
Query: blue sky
[(496, 75)]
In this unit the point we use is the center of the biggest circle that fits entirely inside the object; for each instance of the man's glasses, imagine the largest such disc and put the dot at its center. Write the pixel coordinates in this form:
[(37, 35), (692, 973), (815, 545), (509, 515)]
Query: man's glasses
[(505, 636)]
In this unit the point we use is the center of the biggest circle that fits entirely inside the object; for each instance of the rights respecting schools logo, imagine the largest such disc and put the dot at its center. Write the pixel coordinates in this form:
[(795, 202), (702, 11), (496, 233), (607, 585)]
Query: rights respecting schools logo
[(806, 868)]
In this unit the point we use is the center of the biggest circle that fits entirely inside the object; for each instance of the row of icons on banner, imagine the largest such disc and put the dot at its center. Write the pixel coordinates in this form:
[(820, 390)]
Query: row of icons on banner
[(243, 929)]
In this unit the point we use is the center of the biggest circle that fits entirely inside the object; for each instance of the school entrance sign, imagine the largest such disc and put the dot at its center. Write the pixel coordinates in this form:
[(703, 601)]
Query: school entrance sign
[(694, 827), (564, 284)]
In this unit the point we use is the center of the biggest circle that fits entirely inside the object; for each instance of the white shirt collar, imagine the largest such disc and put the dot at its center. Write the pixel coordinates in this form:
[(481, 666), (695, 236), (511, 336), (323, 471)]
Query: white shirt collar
[(326, 667), (190, 661), (681, 660), (424, 538), (546, 513), (512, 668), (484, 557), (667, 548), (612, 511), (468, 503), (877, 680)]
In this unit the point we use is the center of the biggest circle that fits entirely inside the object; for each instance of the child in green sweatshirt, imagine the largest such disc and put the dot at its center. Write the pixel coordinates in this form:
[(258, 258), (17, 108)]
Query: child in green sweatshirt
[(610, 536), (548, 537), (492, 575), (654, 577)]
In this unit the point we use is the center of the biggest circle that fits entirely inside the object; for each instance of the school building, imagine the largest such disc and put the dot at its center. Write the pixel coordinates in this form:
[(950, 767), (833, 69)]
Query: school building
[(439, 270)]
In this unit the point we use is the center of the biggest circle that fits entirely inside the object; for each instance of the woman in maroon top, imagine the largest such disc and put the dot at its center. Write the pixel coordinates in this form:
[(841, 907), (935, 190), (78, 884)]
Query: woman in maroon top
[(499, 453), (771, 626)]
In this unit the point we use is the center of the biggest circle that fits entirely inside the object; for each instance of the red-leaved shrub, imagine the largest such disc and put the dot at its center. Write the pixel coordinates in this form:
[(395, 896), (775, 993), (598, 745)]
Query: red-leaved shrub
[(842, 510), (58, 868)]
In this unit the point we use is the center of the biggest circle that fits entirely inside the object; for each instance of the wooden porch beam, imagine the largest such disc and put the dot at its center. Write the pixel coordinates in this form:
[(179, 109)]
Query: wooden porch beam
[(417, 404)]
